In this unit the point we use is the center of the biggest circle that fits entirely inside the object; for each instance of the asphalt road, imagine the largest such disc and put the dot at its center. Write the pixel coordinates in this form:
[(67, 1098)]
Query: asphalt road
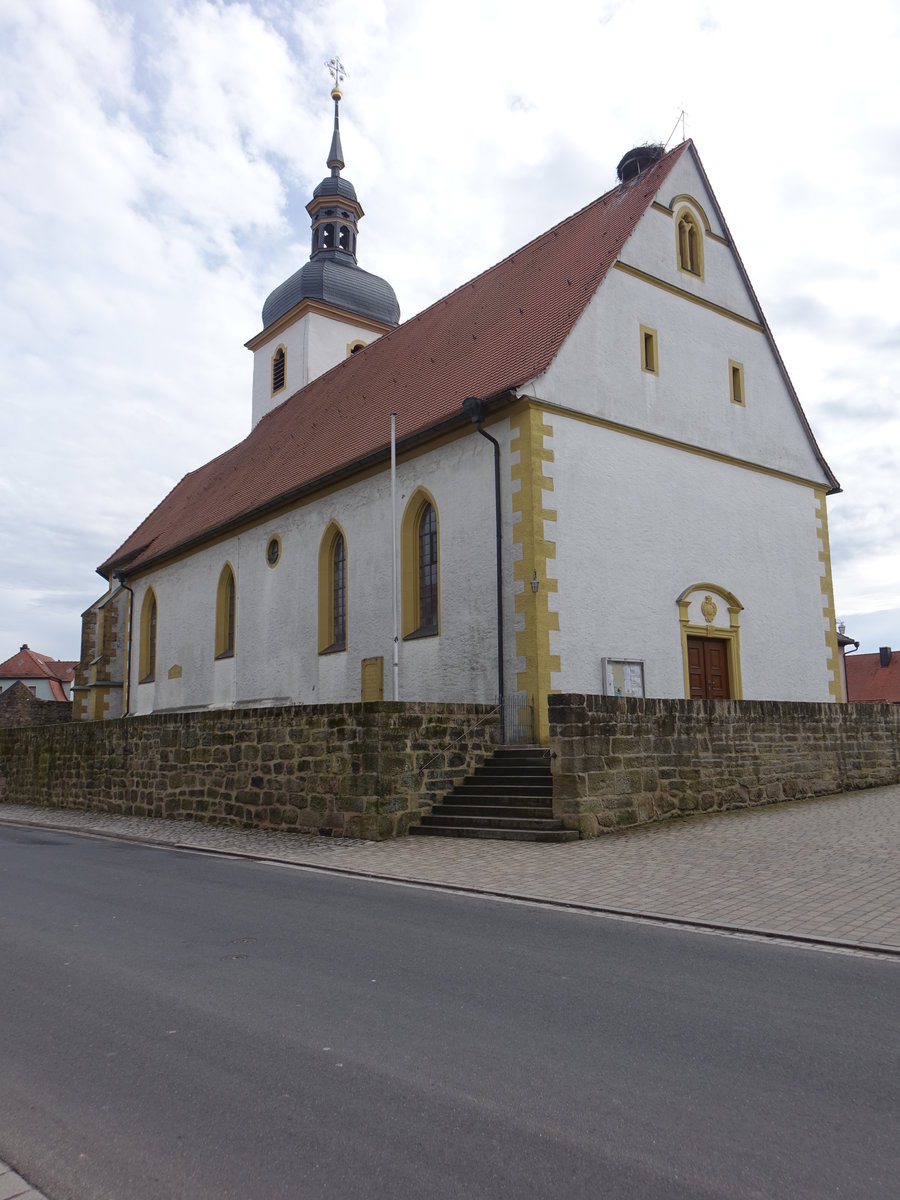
[(174, 1025)]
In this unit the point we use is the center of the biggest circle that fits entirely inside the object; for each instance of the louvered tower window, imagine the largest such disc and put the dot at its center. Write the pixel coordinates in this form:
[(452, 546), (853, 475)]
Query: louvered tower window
[(278, 362)]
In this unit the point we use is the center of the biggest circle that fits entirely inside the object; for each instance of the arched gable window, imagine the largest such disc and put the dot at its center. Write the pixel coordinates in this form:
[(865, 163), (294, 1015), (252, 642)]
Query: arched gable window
[(333, 591), (419, 537), (690, 243), (278, 365), (225, 613), (147, 652)]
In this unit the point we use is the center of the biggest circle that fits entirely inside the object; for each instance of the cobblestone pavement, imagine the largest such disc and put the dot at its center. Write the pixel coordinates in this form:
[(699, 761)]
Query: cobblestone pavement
[(824, 869)]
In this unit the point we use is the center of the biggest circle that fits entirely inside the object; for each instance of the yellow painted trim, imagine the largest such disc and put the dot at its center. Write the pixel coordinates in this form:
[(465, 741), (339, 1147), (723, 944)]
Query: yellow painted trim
[(731, 636), (326, 588), (688, 218), (273, 537), (356, 344), (313, 306), (674, 290), (409, 562), (175, 671), (674, 444), (222, 648), (832, 659), (529, 431), (662, 208), (148, 637), (649, 350), (736, 383), (273, 390)]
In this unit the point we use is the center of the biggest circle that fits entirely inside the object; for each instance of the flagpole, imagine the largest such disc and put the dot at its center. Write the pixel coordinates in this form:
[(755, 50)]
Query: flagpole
[(396, 661)]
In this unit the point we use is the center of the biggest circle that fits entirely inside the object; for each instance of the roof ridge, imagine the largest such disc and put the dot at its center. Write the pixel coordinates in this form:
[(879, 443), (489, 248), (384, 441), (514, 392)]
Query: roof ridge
[(490, 335)]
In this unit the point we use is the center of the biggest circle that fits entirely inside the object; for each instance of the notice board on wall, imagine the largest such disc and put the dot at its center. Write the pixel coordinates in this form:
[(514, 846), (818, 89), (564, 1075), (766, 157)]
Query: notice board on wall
[(623, 676)]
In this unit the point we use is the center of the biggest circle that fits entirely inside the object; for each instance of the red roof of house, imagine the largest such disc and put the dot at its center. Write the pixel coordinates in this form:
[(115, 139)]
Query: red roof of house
[(491, 335), (28, 664), (868, 680)]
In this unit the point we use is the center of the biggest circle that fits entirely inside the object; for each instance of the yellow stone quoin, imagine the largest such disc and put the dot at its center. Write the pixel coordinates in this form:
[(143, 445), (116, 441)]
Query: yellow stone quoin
[(835, 687), (538, 553)]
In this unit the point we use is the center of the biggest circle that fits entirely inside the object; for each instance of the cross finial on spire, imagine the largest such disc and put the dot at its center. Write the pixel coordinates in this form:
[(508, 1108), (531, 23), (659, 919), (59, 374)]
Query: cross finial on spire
[(338, 70)]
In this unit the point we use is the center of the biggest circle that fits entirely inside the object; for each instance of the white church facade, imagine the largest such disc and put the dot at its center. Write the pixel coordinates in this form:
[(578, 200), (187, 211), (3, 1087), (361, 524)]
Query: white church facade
[(646, 474)]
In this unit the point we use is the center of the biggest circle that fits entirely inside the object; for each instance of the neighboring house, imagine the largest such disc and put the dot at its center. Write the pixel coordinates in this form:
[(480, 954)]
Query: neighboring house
[(873, 678), (843, 642), (46, 678), (660, 502)]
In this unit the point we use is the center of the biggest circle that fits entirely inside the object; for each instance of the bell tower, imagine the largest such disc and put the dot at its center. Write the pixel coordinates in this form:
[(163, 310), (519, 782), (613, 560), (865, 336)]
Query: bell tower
[(330, 308)]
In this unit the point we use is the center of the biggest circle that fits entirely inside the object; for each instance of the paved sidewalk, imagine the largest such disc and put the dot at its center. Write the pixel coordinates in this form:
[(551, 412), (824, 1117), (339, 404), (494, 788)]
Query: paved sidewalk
[(14, 1187), (824, 869)]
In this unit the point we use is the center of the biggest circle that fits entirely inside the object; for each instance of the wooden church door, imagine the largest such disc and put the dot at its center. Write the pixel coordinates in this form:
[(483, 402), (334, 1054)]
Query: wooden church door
[(708, 668)]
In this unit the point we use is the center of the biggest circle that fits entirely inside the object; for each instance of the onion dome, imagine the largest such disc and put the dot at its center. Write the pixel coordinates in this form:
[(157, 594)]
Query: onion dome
[(332, 275)]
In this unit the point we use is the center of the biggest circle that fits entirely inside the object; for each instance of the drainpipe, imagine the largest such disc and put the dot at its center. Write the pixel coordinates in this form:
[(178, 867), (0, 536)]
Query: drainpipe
[(119, 577), (475, 409)]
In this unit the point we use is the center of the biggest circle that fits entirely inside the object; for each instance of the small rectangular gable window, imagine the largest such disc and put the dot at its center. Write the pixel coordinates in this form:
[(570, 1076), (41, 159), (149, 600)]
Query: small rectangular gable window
[(736, 381), (649, 351)]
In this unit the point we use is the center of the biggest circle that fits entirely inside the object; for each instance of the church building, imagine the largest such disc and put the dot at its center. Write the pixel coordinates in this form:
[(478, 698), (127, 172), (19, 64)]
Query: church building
[(604, 483)]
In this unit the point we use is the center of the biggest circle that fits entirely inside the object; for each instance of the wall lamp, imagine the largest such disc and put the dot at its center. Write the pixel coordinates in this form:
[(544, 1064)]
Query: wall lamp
[(535, 582)]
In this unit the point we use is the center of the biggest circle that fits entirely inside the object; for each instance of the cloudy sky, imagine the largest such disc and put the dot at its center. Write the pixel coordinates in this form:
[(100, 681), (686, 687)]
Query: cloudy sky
[(156, 157)]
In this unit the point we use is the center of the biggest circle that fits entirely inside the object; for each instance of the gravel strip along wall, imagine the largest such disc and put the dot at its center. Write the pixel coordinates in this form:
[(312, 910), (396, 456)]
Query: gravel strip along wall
[(622, 762), (360, 770)]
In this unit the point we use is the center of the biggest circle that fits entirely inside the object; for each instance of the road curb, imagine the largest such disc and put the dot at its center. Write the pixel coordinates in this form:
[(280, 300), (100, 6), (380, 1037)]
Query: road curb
[(773, 935)]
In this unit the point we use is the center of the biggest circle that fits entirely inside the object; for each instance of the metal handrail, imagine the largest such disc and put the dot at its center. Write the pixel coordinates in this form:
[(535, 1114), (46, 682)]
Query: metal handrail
[(424, 767)]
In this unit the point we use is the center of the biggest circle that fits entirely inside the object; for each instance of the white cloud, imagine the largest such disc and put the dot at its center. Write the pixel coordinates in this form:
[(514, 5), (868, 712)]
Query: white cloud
[(157, 158)]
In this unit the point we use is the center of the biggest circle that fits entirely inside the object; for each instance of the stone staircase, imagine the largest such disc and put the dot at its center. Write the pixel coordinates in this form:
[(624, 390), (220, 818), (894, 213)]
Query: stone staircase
[(510, 797)]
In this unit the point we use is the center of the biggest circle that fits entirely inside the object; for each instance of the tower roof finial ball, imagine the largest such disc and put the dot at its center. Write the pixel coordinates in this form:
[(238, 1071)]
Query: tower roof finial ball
[(337, 94)]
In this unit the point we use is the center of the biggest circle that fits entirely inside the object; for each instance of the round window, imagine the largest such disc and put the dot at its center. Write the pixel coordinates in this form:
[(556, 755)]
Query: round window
[(273, 551)]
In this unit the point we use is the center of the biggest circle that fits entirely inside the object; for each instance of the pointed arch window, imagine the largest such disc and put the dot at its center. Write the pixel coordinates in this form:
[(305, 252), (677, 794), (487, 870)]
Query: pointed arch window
[(420, 567), (147, 650), (225, 613), (690, 243), (333, 591), (279, 361)]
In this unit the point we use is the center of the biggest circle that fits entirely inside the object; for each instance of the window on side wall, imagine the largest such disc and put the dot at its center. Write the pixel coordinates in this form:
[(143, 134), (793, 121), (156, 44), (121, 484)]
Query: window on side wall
[(147, 651), (420, 567), (225, 613), (333, 591)]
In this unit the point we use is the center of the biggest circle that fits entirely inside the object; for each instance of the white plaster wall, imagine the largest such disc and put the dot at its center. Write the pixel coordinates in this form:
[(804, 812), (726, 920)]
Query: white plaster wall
[(639, 522), (598, 370), (276, 636), (313, 345), (42, 690)]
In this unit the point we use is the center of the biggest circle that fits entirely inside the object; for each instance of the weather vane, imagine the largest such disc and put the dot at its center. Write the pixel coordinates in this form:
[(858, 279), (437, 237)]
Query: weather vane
[(337, 69)]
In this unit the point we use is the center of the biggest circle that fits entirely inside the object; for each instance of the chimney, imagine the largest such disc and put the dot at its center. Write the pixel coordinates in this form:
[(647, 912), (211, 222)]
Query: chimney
[(884, 653)]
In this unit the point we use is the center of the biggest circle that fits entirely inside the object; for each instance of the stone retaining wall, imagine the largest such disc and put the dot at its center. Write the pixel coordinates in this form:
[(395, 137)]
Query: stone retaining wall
[(620, 762), (19, 707), (356, 770)]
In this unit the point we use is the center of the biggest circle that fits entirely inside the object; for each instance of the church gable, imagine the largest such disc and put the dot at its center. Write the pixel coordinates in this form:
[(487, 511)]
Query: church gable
[(675, 345)]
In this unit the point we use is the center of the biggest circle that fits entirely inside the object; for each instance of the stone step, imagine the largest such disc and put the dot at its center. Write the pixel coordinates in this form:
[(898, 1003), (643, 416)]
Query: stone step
[(515, 799), (525, 787), (509, 797), (501, 835), (489, 808)]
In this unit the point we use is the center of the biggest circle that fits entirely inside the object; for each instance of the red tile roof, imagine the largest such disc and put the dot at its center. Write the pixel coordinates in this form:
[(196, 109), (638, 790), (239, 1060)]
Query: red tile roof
[(493, 334), (28, 664), (868, 680)]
